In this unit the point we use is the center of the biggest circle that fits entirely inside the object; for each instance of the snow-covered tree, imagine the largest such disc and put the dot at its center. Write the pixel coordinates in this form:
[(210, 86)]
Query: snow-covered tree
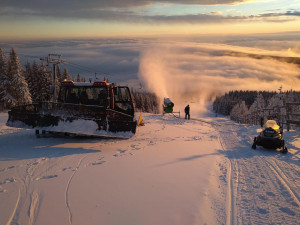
[(34, 83), (44, 83), (28, 77), (258, 104), (78, 79), (3, 76), (15, 87), (239, 111), (277, 103), (66, 74), (145, 101), (40, 82)]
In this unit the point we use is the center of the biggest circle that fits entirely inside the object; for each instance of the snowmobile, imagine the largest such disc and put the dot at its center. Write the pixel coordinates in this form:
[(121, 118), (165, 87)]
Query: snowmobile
[(82, 108), (270, 137)]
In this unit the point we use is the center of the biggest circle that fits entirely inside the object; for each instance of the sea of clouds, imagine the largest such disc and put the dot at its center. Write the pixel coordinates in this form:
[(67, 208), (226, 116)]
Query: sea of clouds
[(183, 69), (201, 71)]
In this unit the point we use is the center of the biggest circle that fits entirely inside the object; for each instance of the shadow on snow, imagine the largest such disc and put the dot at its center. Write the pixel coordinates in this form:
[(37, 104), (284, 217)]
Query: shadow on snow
[(25, 145)]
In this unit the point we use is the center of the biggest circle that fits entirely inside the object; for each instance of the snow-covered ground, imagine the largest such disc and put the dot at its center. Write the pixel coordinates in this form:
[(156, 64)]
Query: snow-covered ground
[(173, 171)]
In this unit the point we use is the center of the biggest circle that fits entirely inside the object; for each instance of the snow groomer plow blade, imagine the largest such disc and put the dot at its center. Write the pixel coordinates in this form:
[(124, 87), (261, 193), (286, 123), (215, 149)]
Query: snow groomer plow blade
[(82, 109)]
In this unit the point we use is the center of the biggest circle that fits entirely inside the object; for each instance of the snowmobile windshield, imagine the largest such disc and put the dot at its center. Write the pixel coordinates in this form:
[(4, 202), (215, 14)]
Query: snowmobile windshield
[(87, 95), (272, 124)]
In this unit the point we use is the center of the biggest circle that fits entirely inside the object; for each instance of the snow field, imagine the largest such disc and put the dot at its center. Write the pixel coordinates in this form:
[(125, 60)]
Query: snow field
[(173, 171)]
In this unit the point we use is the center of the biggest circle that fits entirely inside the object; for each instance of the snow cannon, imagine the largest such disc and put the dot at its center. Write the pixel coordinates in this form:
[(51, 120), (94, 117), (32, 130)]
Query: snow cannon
[(168, 105)]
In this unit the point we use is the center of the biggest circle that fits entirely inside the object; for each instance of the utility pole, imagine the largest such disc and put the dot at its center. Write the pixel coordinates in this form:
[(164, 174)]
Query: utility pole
[(54, 59)]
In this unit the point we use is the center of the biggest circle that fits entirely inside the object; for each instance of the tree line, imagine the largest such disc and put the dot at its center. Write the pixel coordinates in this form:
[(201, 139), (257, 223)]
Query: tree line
[(20, 86), (225, 103), (145, 101), (239, 104)]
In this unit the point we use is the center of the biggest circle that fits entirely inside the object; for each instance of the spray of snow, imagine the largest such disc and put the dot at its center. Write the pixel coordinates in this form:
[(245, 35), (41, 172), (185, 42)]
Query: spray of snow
[(188, 73)]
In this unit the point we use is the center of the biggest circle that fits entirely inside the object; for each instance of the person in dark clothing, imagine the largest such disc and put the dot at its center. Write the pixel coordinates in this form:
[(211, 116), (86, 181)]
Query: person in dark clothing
[(187, 112), (261, 121)]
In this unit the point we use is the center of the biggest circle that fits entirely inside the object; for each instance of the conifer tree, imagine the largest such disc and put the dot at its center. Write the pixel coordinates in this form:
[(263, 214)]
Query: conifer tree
[(3, 76), (16, 90), (239, 111), (58, 79), (34, 86), (258, 104), (78, 78), (44, 83), (66, 75), (28, 76)]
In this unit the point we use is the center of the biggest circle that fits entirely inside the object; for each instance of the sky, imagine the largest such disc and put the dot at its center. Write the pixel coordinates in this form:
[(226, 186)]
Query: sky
[(41, 19), (195, 48)]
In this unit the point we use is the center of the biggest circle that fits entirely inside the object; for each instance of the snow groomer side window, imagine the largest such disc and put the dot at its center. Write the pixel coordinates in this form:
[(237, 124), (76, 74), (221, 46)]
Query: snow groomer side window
[(123, 100), (122, 94), (68, 95), (62, 95), (100, 96)]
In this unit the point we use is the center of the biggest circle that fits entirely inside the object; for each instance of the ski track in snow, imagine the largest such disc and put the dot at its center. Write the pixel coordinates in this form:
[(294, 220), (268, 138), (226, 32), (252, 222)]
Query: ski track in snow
[(262, 186), (28, 197), (68, 189), (27, 203), (260, 192)]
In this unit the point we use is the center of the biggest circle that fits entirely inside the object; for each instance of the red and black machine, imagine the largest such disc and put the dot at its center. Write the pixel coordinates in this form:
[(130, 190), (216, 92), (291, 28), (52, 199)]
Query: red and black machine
[(107, 105)]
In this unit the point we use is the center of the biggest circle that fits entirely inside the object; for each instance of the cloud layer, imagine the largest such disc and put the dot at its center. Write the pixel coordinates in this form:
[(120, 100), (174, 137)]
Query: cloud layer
[(92, 4), (197, 72), (128, 11), (185, 70)]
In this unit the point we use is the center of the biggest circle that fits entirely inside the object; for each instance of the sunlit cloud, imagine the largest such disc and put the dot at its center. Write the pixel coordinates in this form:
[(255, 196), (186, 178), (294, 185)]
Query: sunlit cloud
[(186, 72), (131, 16), (92, 4), (92, 18), (196, 67)]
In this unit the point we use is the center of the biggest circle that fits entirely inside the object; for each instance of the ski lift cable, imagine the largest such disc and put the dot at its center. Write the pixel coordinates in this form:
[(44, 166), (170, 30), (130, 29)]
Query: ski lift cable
[(25, 55), (84, 68), (88, 69), (30, 56)]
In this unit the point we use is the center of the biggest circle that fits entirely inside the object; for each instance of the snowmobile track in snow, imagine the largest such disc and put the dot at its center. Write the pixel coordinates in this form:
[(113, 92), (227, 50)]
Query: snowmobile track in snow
[(283, 179), (259, 190), (229, 190)]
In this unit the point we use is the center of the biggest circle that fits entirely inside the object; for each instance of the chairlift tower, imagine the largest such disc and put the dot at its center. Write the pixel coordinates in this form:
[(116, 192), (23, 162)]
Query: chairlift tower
[(54, 59)]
